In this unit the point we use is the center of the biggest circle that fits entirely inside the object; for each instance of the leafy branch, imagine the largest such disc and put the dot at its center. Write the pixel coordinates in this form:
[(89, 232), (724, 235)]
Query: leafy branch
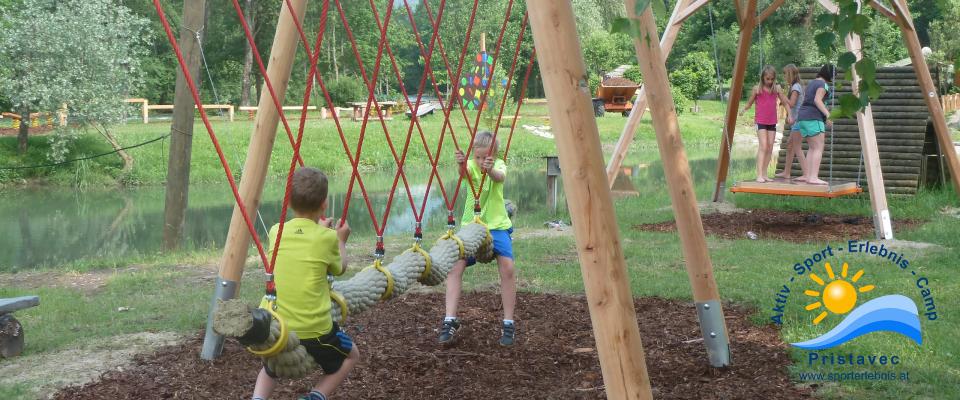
[(849, 20)]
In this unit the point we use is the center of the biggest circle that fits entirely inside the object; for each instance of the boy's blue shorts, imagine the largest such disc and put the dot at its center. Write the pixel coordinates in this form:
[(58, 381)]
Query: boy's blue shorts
[(502, 244)]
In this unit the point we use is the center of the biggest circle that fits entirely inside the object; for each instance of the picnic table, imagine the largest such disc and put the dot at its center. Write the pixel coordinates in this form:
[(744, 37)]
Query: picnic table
[(386, 109)]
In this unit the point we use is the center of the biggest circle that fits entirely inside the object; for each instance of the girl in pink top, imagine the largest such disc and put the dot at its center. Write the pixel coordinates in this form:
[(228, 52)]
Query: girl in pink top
[(766, 95)]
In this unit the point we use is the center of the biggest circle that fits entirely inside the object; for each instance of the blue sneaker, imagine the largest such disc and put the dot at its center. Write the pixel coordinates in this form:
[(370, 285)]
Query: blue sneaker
[(507, 334), (448, 331)]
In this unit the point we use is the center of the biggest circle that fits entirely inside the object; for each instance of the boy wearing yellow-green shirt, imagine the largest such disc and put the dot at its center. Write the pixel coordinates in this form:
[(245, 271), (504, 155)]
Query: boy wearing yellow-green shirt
[(493, 213), (309, 250)]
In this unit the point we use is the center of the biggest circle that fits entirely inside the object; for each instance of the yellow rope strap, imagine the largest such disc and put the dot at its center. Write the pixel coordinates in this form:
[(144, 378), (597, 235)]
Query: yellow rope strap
[(426, 257), (477, 220), (281, 341), (378, 265), (342, 302), (451, 235)]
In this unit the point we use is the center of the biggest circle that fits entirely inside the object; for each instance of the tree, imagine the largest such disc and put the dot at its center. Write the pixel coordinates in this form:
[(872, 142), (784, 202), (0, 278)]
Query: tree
[(90, 70), (695, 77)]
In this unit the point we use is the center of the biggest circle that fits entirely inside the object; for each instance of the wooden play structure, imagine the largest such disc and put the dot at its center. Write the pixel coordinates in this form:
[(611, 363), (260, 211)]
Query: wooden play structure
[(749, 17), (616, 97), (600, 251)]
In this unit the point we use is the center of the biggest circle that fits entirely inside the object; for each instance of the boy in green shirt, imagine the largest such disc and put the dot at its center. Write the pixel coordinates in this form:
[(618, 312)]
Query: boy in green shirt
[(493, 212), (309, 250)]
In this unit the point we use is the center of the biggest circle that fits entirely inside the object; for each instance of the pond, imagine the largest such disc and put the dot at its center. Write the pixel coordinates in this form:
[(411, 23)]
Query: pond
[(52, 226), (49, 227)]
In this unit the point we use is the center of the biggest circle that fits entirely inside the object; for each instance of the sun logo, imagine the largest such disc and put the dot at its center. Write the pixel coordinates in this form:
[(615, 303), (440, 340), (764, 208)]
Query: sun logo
[(839, 296)]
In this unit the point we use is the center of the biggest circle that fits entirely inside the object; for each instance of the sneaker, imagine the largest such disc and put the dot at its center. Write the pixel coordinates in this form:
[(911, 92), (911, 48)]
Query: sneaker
[(508, 332), (448, 330), (313, 395)]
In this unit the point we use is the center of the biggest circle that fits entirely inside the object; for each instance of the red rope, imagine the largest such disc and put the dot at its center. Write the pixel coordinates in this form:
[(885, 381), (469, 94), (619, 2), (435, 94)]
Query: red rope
[(213, 137), (271, 286), (414, 120), (455, 95), (263, 72), (456, 80), (503, 101), (523, 92), (483, 98), (370, 98)]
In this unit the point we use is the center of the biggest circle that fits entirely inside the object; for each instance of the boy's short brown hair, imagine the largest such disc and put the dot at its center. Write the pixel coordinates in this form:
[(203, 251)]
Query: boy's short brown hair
[(485, 139), (309, 190)]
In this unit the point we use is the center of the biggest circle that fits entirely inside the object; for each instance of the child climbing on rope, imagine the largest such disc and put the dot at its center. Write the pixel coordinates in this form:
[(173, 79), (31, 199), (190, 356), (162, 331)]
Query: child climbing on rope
[(766, 94), (813, 119), (794, 98), (309, 250), (494, 214)]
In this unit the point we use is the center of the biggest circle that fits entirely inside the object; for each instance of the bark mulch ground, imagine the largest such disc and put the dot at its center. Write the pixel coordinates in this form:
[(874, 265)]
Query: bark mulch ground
[(791, 226), (6, 131), (554, 358)]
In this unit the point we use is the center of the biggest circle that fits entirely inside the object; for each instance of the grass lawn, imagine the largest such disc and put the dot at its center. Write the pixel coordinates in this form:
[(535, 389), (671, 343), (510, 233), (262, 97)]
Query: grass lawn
[(171, 292)]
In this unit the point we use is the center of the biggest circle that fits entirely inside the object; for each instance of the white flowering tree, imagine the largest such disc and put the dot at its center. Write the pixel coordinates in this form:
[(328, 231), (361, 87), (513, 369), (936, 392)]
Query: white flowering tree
[(81, 53)]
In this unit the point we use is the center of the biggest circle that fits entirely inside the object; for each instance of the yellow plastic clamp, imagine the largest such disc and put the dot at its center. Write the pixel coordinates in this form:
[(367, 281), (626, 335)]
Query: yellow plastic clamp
[(426, 257), (378, 265), (338, 298), (281, 341), (451, 235)]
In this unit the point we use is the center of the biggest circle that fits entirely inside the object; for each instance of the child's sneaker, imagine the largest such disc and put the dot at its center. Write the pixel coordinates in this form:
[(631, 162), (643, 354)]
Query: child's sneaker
[(448, 330), (313, 395), (507, 334)]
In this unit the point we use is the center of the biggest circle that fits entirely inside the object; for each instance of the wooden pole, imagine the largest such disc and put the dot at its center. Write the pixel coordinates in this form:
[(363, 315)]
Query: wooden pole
[(595, 226), (871, 153), (284, 48), (680, 184), (630, 129), (929, 93), (181, 131), (733, 107)]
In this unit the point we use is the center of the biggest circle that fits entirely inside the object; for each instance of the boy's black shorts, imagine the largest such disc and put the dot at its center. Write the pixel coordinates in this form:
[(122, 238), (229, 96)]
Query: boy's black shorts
[(328, 350)]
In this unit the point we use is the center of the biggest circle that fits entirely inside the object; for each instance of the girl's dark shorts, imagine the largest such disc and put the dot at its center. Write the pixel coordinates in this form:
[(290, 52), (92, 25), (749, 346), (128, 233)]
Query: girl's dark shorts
[(328, 350)]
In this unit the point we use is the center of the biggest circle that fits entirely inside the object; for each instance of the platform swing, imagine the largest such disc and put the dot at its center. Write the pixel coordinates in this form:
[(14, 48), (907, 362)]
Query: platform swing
[(262, 329), (780, 186), (788, 187)]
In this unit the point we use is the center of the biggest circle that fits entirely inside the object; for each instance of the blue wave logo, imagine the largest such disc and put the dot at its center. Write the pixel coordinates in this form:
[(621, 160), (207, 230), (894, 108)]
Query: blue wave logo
[(893, 313)]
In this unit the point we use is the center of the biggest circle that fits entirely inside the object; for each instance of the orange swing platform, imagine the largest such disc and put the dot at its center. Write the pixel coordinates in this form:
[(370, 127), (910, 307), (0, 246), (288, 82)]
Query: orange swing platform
[(792, 188)]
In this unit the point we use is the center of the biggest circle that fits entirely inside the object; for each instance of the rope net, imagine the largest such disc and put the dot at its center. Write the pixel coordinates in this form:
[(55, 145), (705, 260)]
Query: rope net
[(446, 82)]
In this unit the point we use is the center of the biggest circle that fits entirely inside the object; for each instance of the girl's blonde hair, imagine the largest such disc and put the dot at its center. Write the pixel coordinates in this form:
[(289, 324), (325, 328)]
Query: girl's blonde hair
[(485, 139), (767, 69), (791, 74)]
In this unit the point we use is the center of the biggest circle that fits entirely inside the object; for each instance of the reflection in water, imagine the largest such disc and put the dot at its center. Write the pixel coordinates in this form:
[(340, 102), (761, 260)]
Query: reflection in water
[(56, 226)]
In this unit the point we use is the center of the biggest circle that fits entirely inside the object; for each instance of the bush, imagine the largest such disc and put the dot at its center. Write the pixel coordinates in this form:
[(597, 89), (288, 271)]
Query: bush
[(347, 90), (679, 100)]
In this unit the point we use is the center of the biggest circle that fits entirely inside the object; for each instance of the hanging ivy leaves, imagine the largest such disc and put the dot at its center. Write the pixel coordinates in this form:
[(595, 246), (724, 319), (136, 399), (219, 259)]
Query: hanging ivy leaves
[(849, 21), (631, 27)]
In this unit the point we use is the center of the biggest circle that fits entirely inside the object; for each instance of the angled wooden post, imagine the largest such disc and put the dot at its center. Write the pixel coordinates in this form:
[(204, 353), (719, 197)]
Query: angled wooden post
[(736, 91), (595, 226), (930, 95), (683, 9), (227, 286), (871, 153), (868, 143), (680, 184)]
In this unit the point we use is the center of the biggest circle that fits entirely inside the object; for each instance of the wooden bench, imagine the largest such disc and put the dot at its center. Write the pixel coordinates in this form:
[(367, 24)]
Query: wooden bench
[(252, 110), (228, 107), (11, 332), (386, 109)]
